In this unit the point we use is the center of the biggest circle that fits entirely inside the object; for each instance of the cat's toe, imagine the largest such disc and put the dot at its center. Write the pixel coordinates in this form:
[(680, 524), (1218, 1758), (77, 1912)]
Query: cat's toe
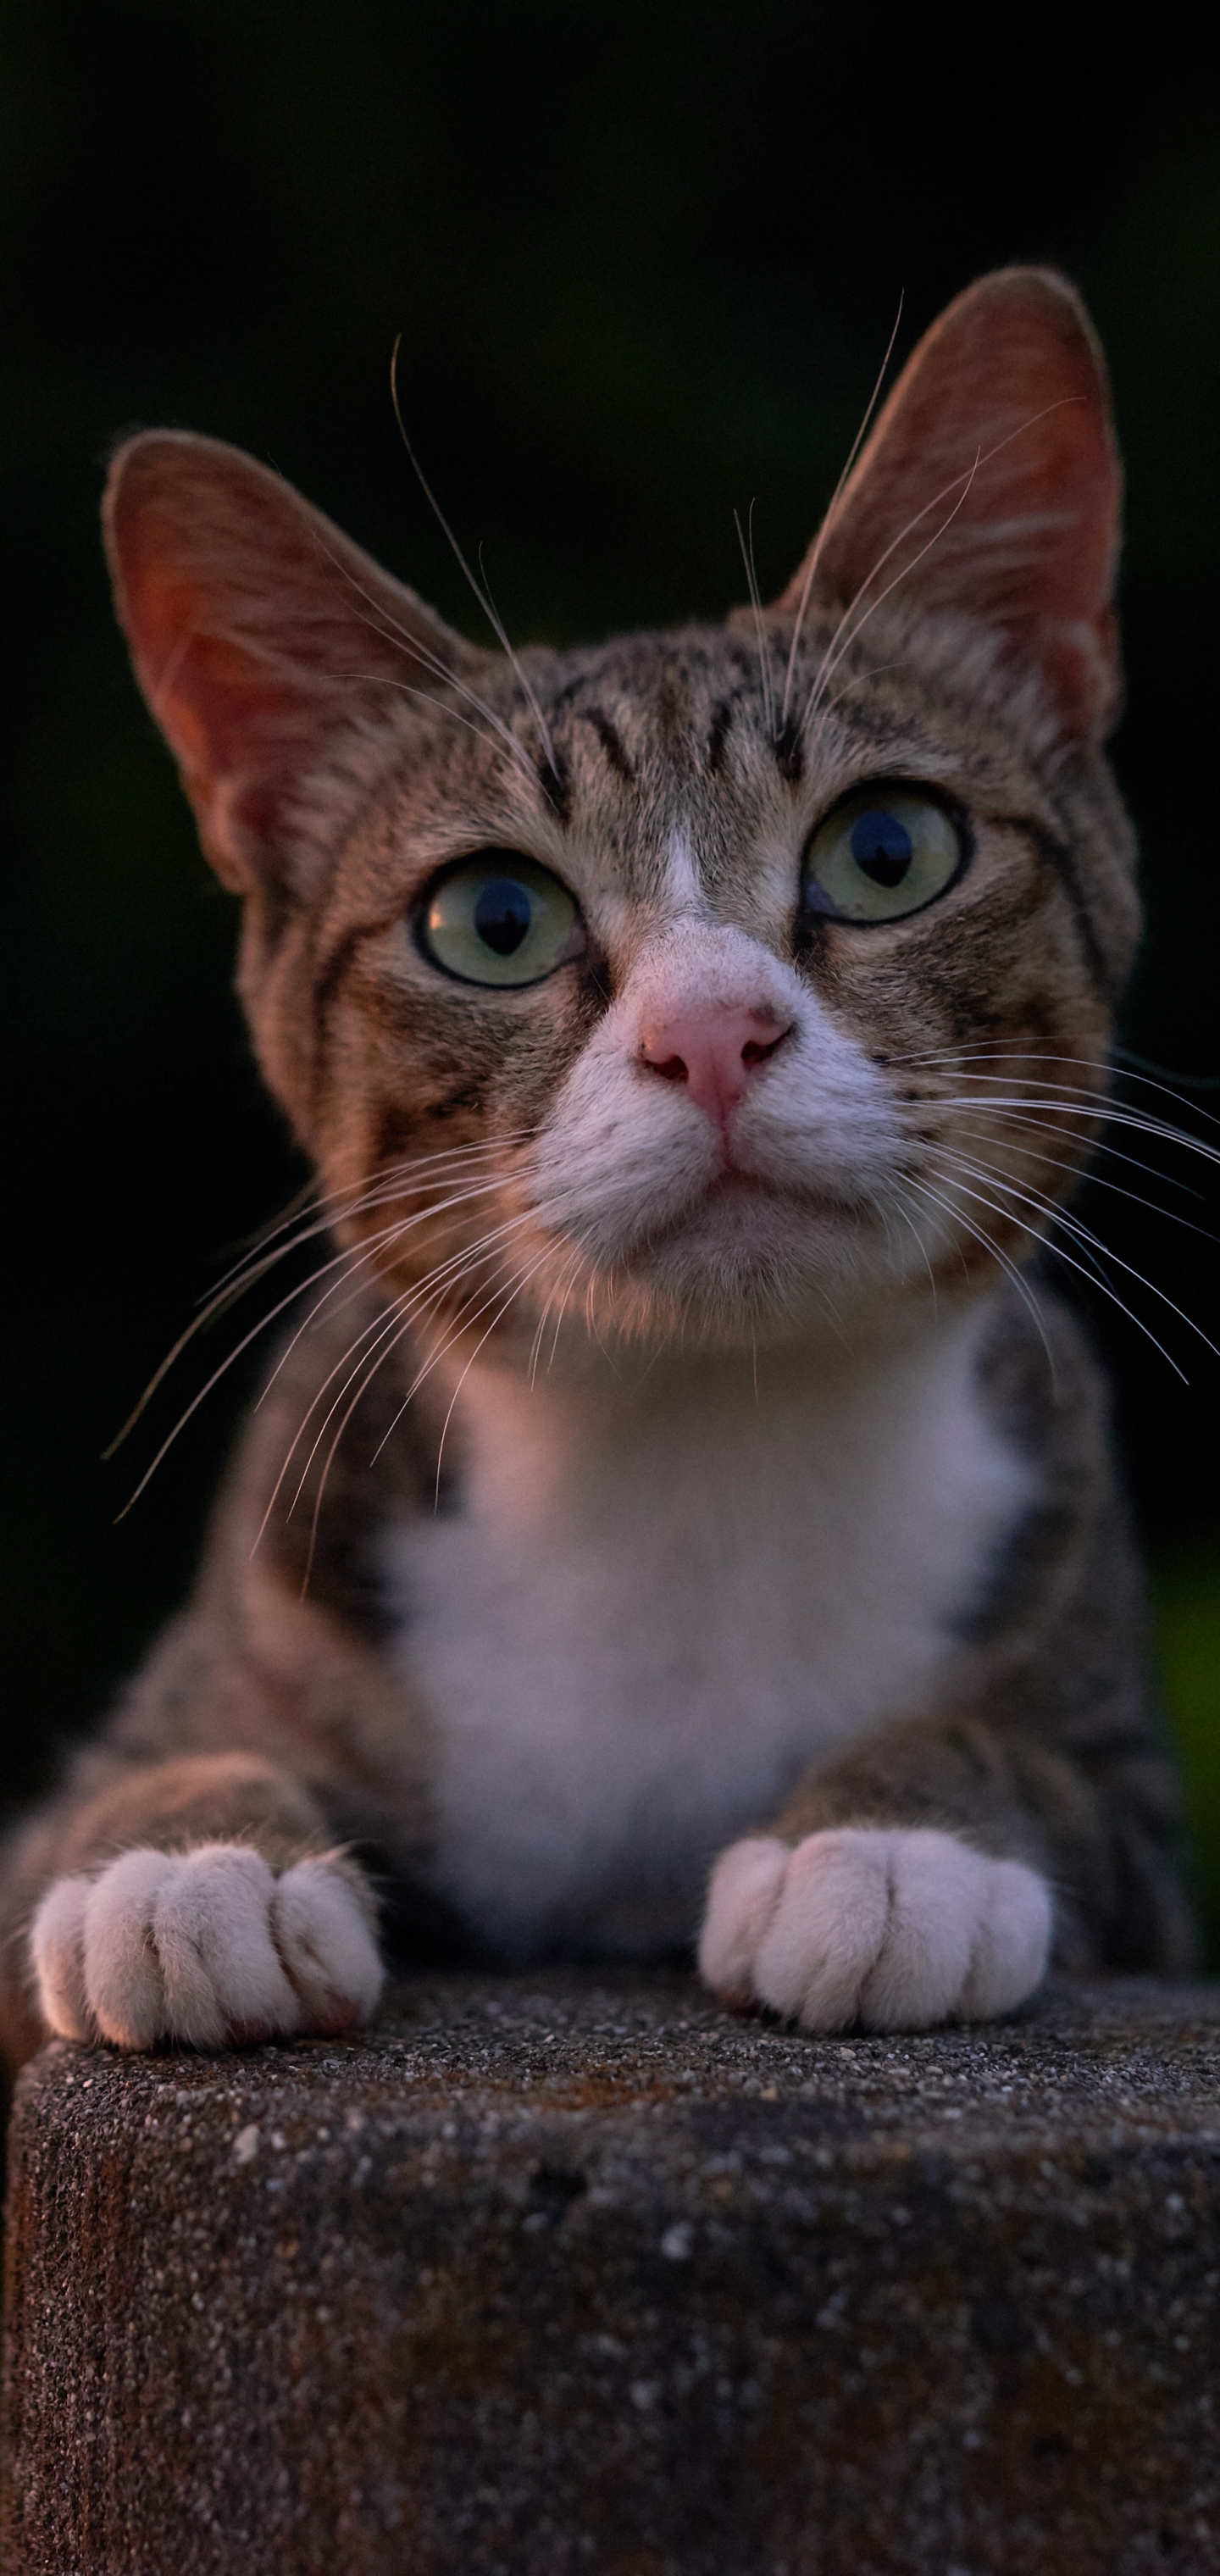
[(897, 1930), (326, 1946), (57, 1958), (741, 1900)]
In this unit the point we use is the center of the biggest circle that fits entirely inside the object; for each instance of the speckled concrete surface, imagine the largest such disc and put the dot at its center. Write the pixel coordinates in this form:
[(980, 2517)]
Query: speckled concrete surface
[(564, 2273)]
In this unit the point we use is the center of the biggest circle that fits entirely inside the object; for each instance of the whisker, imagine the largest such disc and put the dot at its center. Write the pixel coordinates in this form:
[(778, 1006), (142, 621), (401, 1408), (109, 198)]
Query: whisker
[(573, 1273), (832, 658), (430, 1290), (405, 689), (483, 597), (402, 1313), (245, 1273), (456, 1328), (1020, 1283), (857, 681), (1084, 1236), (1136, 1120), (1020, 1049), (909, 1220), (1021, 1053), (764, 656), (417, 1382), (1090, 1271), (1099, 1145), (815, 555), (353, 1258), (383, 624), (522, 1282), (367, 1252), (1101, 1181)]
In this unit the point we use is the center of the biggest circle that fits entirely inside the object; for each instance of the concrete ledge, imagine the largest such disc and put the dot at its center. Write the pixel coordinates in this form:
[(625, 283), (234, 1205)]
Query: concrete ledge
[(569, 2272)]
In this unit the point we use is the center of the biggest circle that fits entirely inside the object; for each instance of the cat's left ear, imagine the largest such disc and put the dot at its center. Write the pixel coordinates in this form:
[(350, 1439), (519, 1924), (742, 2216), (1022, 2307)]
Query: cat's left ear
[(991, 488)]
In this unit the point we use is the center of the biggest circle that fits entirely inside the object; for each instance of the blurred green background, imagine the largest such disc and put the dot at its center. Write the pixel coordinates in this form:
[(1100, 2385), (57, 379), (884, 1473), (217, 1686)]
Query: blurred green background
[(644, 263)]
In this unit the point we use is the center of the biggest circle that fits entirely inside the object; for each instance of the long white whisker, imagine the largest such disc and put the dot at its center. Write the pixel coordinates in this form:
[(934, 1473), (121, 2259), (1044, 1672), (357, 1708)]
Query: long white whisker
[(523, 1281), (1020, 1283), (1135, 1119), (857, 681), (1020, 1050), (351, 1258), (385, 625), (909, 1220), (485, 602), (405, 689), (397, 1321), (1095, 1277), (815, 552), (1042, 1126), (1100, 1180), (252, 1267), (429, 1291), (832, 658), (368, 1252), (1080, 1233), (456, 1327), (764, 655), (417, 1382)]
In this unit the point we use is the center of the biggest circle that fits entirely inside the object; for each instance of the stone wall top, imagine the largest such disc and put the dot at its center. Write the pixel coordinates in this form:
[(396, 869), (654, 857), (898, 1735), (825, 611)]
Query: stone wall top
[(567, 2270)]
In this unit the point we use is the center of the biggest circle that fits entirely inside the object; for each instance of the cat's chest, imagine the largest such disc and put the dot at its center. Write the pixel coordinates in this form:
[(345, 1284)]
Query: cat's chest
[(653, 1608)]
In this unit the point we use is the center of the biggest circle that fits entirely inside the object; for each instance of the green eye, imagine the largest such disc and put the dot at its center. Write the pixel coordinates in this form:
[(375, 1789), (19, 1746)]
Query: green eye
[(500, 920), (884, 852)]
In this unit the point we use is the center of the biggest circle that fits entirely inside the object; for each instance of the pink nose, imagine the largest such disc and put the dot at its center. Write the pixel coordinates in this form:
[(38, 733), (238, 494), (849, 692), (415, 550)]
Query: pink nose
[(713, 1052)]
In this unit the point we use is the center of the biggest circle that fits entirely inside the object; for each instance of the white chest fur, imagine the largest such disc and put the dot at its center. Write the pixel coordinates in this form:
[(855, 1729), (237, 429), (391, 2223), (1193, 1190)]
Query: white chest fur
[(660, 1602)]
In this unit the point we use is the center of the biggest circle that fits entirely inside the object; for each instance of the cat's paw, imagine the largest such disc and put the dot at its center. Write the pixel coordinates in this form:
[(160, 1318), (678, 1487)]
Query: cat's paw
[(895, 1930), (207, 1947)]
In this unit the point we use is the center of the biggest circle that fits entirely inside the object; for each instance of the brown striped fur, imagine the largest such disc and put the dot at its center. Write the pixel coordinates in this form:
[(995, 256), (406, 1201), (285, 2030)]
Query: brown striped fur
[(334, 771)]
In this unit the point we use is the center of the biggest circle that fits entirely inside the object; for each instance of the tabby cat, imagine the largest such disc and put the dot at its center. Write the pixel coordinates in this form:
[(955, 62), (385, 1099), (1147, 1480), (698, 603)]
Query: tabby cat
[(678, 1515)]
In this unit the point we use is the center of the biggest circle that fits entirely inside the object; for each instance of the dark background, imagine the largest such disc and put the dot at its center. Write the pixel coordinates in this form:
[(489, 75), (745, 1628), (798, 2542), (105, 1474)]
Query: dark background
[(645, 263)]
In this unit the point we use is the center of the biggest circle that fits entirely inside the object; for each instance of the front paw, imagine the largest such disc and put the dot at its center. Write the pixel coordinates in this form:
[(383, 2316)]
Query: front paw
[(207, 1947), (894, 1930)]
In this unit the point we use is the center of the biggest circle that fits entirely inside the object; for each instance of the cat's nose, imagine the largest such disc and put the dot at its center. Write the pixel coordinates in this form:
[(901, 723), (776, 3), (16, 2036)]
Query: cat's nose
[(714, 1053)]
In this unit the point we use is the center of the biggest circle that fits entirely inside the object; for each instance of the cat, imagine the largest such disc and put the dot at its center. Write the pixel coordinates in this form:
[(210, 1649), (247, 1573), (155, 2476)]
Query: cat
[(679, 1517)]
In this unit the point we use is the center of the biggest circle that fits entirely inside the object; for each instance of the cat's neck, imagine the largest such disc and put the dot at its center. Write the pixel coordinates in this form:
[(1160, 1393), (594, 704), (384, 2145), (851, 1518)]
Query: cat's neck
[(530, 1428)]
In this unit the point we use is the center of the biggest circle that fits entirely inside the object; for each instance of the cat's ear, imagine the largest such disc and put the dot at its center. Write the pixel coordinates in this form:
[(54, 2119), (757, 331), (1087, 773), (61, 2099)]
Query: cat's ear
[(258, 632), (991, 487)]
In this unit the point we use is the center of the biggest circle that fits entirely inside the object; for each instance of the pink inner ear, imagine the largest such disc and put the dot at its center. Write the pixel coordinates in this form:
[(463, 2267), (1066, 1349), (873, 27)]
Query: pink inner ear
[(990, 488), (258, 632)]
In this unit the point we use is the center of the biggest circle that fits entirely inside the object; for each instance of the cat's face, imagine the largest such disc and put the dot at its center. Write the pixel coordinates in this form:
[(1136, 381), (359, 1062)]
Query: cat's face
[(706, 984)]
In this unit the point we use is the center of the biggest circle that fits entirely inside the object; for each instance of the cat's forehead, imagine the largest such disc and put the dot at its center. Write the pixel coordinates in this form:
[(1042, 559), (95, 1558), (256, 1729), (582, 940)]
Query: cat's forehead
[(703, 756), (712, 731), (708, 705)]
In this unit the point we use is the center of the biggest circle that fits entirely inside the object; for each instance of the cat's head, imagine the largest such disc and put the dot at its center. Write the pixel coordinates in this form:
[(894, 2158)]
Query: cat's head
[(741, 980)]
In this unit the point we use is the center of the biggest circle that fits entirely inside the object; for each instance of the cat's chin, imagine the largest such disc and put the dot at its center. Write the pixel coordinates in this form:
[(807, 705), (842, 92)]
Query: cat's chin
[(751, 1263)]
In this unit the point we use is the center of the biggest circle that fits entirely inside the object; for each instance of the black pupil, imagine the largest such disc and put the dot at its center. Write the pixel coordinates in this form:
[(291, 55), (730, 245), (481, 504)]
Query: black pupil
[(502, 915), (881, 845)]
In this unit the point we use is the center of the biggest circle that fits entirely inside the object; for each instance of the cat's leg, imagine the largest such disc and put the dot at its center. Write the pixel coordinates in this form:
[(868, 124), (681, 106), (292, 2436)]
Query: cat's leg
[(195, 1900)]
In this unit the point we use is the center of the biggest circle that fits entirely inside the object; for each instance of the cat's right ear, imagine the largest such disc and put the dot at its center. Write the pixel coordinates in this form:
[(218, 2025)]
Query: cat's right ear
[(259, 634)]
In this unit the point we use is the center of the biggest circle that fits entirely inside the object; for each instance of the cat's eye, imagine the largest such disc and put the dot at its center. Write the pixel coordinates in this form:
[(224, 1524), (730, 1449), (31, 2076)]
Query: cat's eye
[(499, 919), (884, 852)]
